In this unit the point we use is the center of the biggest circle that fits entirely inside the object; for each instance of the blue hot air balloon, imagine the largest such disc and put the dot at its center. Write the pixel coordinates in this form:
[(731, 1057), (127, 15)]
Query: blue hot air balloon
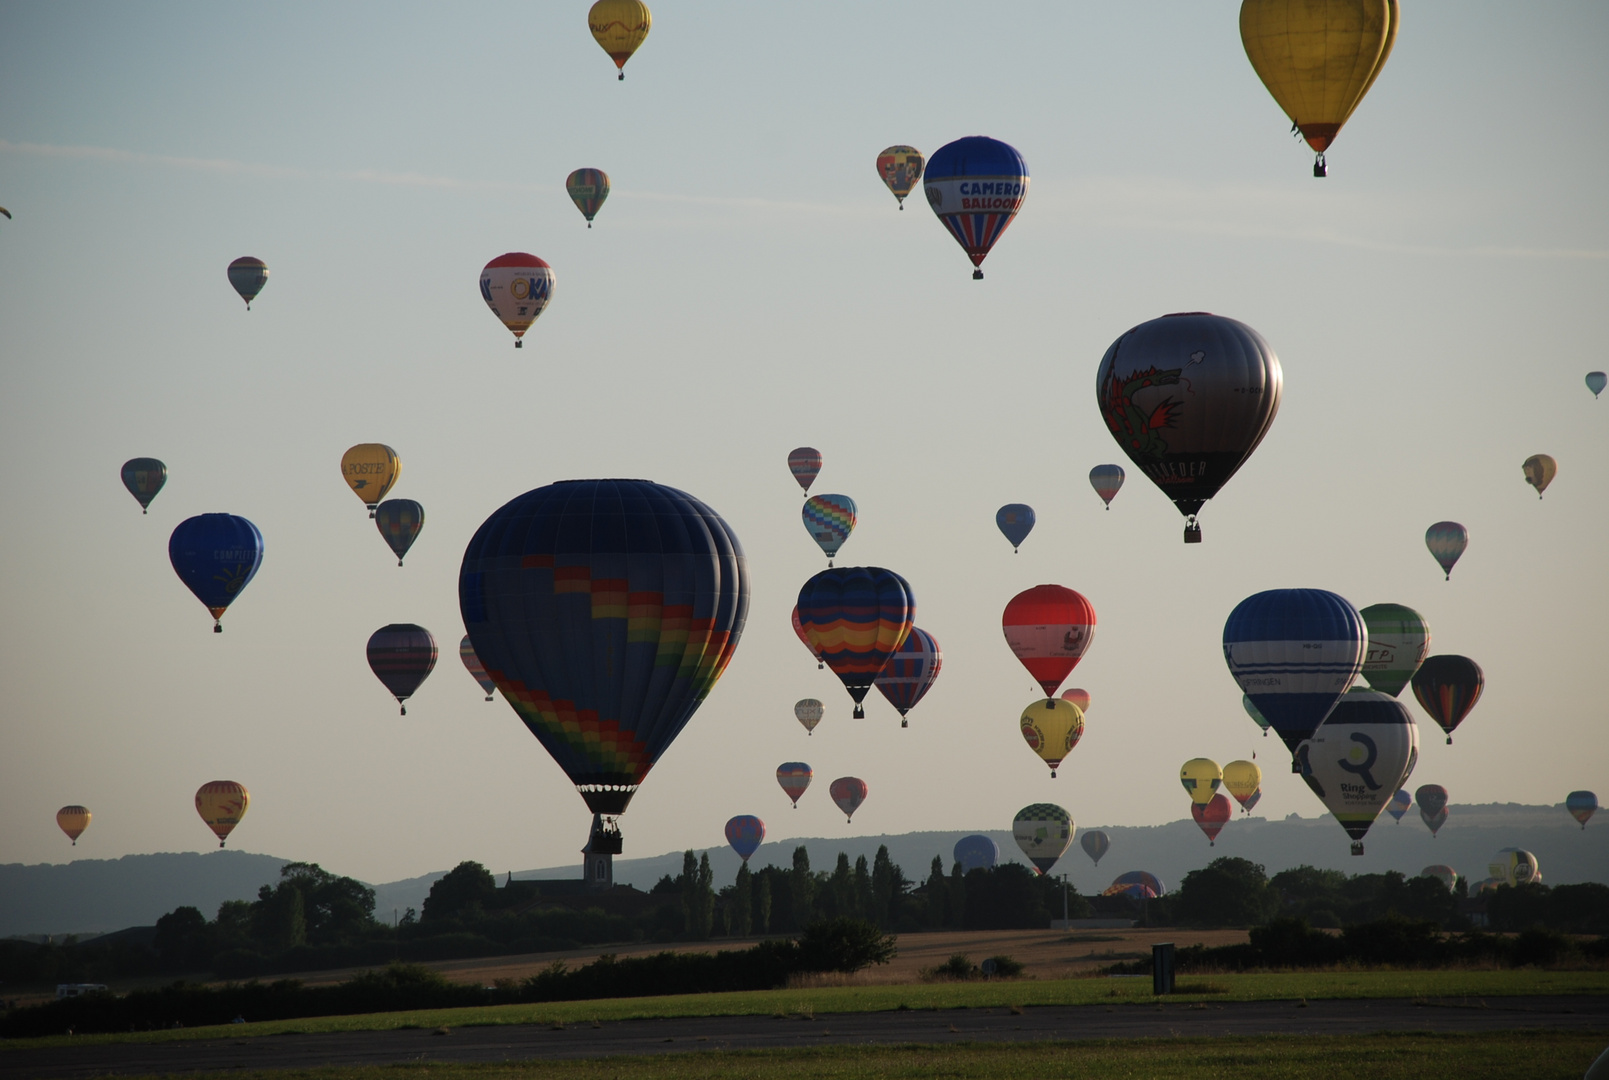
[(1399, 805), (976, 852), (604, 610), (1015, 521), (1294, 652), (976, 185), (216, 556), (745, 833), (855, 618), (911, 672)]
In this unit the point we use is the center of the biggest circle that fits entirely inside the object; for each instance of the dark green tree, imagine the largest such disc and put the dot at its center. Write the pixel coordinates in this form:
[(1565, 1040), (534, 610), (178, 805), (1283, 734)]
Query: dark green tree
[(181, 939), (1226, 892), (464, 892), (705, 894), (865, 898), (841, 890), (956, 915), (938, 895), (884, 874), (801, 889), (740, 917), (762, 902)]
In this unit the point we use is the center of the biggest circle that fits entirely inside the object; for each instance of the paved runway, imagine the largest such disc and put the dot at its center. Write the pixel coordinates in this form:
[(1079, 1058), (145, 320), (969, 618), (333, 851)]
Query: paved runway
[(1033, 1024)]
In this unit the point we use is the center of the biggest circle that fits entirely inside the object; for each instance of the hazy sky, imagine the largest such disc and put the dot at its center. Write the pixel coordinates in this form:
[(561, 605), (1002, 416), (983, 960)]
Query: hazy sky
[(750, 287)]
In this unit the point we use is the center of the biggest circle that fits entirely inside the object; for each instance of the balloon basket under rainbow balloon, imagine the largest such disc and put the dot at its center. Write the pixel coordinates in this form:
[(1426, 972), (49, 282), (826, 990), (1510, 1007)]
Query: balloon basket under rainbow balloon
[(1357, 847)]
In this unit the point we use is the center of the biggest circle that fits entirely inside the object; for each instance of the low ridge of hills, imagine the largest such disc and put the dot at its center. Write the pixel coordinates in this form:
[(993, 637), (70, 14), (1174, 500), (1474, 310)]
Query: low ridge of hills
[(101, 895)]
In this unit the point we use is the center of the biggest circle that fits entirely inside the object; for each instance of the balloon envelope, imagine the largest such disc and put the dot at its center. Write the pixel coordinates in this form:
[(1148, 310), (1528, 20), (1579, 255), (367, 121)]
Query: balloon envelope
[(401, 656), (477, 671), (1015, 521), (1188, 397), (587, 188), (1448, 687), (1077, 696), (248, 275), (1442, 873), (1432, 800), (1254, 712), (848, 792), (1044, 832), (1582, 805), (73, 820), (900, 167), (1051, 728), (829, 519), (795, 777), (605, 611), (216, 556), (619, 27), (976, 852), (856, 617), (1107, 480), (517, 287), (805, 464), (1596, 381), (1049, 628), (1514, 866), (221, 804), (799, 632), (1399, 805), (1095, 844), (1540, 469), (1244, 782), (1446, 541), (1201, 778), (976, 185), (1211, 816), (1365, 749), (1398, 639), (808, 711), (745, 833), (144, 477), (399, 522), (1143, 878), (370, 470), (910, 671)]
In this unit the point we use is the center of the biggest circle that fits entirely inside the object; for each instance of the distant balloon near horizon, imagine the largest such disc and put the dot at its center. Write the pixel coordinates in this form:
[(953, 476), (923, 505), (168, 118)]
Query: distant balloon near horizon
[(1515, 866), (1540, 469), (1201, 777), (804, 463), (976, 185), (1432, 800), (745, 833), (73, 820), (1015, 521), (248, 275), (1049, 628), (620, 27), (1044, 832), (1365, 749), (144, 478), (399, 522), (216, 556), (1077, 696), (1244, 782), (1051, 728), (1137, 879), (848, 792), (517, 287), (221, 804), (1447, 541), (794, 778), (808, 711), (976, 852), (1596, 381), (587, 188), (1442, 873), (1399, 637), (1211, 817), (477, 670), (1399, 805), (1107, 480), (829, 519), (1581, 805), (910, 672), (857, 617), (1095, 844), (1447, 688), (402, 656), (900, 167), (1188, 397), (371, 470)]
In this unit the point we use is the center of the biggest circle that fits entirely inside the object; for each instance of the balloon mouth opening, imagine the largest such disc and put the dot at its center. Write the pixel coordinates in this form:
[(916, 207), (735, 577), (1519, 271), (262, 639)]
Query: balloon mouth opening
[(609, 800)]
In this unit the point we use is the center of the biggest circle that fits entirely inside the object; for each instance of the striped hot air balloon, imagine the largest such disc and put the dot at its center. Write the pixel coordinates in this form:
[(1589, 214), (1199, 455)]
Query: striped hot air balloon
[(477, 671), (1447, 541), (1095, 844), (73, 820), (976, 185), (1107, 480), (911, 672), (794, 777), (1581, 805), (1049, 628), (587, 189), (1448, 688), (856, 618), (402, 655), (829, 519), (805, 464)]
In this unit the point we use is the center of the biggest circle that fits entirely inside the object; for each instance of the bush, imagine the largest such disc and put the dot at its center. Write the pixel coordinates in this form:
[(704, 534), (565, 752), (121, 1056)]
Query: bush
[(844, 945)]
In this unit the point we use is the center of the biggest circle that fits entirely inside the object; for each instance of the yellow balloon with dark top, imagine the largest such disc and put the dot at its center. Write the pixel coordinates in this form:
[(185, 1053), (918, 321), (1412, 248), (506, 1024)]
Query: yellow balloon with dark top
[(1201, 777), (619, 27)]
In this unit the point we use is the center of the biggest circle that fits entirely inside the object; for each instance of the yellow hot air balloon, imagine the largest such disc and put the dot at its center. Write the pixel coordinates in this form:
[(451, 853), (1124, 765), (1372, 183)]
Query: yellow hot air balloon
[(1201, 777), (221, 804), (371, 469), (1540, 469), (619, 27), (73, 820), (1318, 58), (1051, 728), (1245, 782)]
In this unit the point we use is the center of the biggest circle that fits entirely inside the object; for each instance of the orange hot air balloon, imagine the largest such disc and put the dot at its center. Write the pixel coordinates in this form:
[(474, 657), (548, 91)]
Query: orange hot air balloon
[(73, 820), (221, 804)]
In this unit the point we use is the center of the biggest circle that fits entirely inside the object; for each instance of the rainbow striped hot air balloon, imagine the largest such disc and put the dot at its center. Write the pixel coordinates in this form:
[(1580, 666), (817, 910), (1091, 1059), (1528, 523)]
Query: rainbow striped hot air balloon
[(911, 672), (1448, 688), (856, 618), (829, 519), (587, 189), (804, 463)]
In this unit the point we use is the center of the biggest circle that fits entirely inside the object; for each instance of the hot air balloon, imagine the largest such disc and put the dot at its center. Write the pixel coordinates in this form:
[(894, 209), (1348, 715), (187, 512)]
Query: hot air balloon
[(605, 611), (517, 287), (619, 27), (1095, 844), (1078, 697), (1201, 778), (1049, 628), (1294, 652), (745, 833), (1107, 480), (799, 632), (399, 522), (848, 792), (587, 189), (1446, 541), (1141, 879), (1044, 832), (402, 656), (466, 653), (1447, 688), (1244, 782), (829, 519), (1255, 713), (221, 804), (1596, 381), (1015, 521), (1398, 640), (976, 852), (1540, 469), (910, 672), (808, 711), (795, 777), (6, 212), (1432, 800), (1051, 728), (1399, 805), (856, 618), (370, 470), (1514, 866), (73, 820), (976, 185), (1188, 397), (248, 276), (1211, 817), (804, 463), (1582, 805), (216, 556), (144, 477), (1444, 874), (1358, 757), (900, 167), (1318, 59)]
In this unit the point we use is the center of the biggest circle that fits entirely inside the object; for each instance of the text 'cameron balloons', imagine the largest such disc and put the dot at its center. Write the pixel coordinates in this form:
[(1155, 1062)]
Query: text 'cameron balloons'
[(517, 287), (804, 463), (1448, 688), (1107, 480), (1201, 778), (745, 833), (221, 804), (1596, 381), (1294, 652), (910, 672), (604, 610), (1432, 800), (1244, 782), (976, 852), (1044, 832), (1210, 817), (1446, 541), (829, 519), (399, 522), (900, 167), (144, 477), (1049, 628), (1540, 469), (809, 711), (1354, 762), (73, 820), (1095, 844), (1398, 640), (466, 653), (976, 185), (1078, 697), (1318, 59), (1188, 397), (795, 777), (619, 27), (371, 470), (587, 188), (1015, 521), (856, 617), (216, 556), (247, 276), (1399, 805), (848, 793), (1051, 728), (1582, 805), (402, 656)]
